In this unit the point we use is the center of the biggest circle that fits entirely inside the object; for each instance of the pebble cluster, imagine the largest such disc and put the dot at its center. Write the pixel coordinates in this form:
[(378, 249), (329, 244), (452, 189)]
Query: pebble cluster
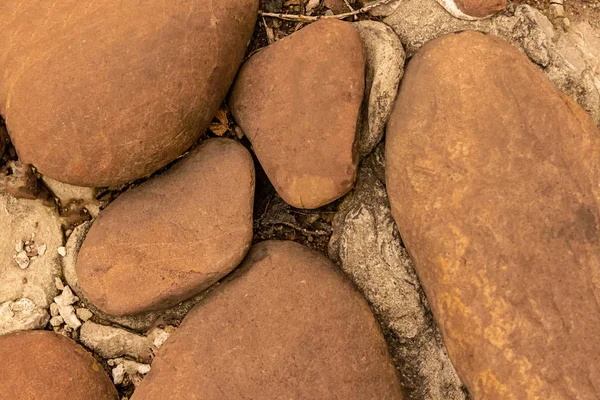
[(459, 178)]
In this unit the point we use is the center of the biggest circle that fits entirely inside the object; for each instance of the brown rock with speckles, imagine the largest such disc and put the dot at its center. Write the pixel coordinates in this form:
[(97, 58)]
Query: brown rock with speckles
[(480, 8), (286, 325), (494, 182), (173, 236), (298, 101), (43, 365), (101, 94)]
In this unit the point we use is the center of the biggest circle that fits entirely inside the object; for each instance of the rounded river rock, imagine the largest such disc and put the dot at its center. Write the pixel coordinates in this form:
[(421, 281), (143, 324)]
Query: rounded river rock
[(299, 101), (494, 181), (173, 236), (102, 93), (286, 325), (43, 365)]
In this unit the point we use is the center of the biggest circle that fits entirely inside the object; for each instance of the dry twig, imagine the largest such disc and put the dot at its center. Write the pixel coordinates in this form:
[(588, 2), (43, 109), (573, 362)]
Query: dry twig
[(308, 18)]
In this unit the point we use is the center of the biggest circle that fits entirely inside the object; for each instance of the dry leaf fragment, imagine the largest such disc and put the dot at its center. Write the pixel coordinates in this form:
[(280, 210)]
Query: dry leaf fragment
[(220, 127)]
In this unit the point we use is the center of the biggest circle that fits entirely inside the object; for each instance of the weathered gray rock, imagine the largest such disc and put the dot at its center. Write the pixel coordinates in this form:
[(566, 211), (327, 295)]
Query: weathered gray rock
[(30, 234), (111, 342), (21, 315), (382, 10), (367, 246), (385, 66), (575, 67), (418, 21), (139, 323)]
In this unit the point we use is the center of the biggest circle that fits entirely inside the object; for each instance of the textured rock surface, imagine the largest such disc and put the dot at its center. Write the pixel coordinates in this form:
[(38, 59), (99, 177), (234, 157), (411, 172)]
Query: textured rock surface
[(111, 342), (200, 228), (298, 101), (367, 246), (286, 325), (472, 9), (385, 66), (418, 21), (493, 180), (27, 272), (125, 100), (139, 322), (47, 366)]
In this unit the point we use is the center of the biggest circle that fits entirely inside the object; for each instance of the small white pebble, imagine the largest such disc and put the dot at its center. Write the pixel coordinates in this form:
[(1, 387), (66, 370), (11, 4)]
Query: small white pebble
[(160, 338), (19, 246), (84, 314), (118, 373), (41, 250), (68, 314), (62, 251), (58, 283), (66, 298), (22, 260), (54, 309), (57, 321)]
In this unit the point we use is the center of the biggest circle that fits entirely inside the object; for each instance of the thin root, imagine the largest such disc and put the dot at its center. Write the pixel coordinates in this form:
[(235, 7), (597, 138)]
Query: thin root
[(309, 18)]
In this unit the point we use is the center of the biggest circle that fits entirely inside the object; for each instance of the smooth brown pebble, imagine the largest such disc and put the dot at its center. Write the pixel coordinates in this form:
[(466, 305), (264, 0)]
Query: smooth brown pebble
[(298, 101), (173, 236)]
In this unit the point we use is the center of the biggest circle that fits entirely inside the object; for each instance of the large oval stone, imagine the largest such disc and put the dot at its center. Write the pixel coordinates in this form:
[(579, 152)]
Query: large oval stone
[(286, 325), (43, 365), (173, 236), (101, 94), (298, 101), (494, 182)]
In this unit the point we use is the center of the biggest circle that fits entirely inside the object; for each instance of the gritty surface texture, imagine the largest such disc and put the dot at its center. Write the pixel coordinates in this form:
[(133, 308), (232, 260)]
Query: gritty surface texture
[(298, 101), (287, 325), (480, 8), (366, 245), (419, 21), (385, 66), (493, 180), (27, 272), (201, 228), (139, 322), (125, 100), (47, 366)]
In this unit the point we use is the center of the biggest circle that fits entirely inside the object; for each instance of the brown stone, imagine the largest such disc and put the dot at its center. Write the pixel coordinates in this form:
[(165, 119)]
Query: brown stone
[(173, 236), (98, 95), (493, 179), (43, 365), (298, 101), (480, 8), (286, 325)]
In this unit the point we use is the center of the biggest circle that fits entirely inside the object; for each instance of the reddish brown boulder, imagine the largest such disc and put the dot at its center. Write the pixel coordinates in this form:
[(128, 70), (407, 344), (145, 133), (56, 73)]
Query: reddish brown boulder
[(480, 8), (104, 94), (298, 101), (43, 365), (173, 236), (493, 178), (473, 9), (286, 325)]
